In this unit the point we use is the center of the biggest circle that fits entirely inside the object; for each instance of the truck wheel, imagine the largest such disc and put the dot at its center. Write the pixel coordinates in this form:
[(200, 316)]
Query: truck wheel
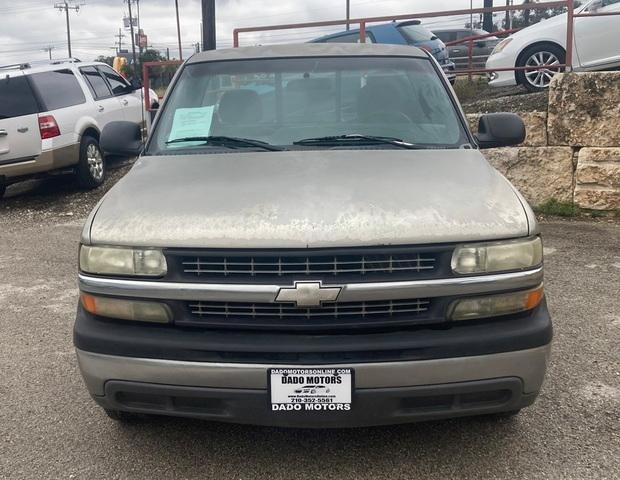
[(543, 54), (90, 171)]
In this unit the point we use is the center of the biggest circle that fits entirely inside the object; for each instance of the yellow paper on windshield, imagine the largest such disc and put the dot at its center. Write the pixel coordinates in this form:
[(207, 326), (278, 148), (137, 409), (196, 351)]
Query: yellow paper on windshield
[(191, 122)]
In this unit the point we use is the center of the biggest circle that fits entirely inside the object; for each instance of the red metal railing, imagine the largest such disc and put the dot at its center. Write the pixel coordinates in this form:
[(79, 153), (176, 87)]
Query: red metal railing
[(146, 80), (473, 39), (362, 22)]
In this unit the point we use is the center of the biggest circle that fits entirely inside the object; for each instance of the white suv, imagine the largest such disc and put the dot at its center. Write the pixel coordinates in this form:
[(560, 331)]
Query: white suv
[(51, 115)]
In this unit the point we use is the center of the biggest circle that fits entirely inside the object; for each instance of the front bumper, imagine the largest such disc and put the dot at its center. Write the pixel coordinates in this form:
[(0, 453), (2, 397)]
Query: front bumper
[(384, 393), (449, 68), (504, 78)]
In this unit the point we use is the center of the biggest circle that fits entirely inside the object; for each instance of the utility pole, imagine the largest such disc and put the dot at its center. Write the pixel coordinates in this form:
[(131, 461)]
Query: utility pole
[(487, 18), (176, 6), (139, 29), (526, 14), (133, 42), (66, 7), (208, 24), (49, 50), (348, 13), (119, 44)]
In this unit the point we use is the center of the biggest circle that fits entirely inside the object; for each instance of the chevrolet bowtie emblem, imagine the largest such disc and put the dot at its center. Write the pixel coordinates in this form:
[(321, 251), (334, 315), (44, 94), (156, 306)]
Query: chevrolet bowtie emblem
[(308, 294)]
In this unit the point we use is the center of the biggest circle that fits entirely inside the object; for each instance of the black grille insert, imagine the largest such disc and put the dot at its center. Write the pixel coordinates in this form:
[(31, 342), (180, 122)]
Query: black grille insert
[(329, 316), (255, 266), (387, 308)]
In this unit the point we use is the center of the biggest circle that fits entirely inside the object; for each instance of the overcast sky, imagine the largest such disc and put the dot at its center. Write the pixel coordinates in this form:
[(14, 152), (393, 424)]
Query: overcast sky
[(29, 26)]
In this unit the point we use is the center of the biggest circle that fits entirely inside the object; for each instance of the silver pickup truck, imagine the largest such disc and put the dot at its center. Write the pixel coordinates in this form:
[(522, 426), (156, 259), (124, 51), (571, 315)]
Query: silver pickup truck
[(311, 237)]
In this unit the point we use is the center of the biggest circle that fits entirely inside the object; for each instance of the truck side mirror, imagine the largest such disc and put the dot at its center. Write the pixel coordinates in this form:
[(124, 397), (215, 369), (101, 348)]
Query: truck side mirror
[(500, 130), (121, 138)]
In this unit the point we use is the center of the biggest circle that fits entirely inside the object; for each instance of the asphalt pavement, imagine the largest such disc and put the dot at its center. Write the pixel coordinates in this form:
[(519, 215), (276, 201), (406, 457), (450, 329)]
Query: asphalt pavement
[(50, 428)]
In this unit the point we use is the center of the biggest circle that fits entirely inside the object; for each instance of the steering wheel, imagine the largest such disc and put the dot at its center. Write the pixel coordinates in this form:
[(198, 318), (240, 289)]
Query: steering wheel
[(386, 115)]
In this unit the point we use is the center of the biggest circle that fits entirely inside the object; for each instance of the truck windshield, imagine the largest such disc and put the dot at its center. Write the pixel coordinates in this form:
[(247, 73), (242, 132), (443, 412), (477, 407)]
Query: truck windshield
[(282, 101)]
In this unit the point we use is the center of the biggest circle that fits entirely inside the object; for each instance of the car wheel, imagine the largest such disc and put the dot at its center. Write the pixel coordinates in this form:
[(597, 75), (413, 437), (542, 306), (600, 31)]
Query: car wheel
[(2, 189), (544, 54), (90, 171)]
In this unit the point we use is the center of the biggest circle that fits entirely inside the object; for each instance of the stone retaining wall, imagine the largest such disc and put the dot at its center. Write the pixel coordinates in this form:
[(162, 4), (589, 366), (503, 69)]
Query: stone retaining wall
[(572, 152)]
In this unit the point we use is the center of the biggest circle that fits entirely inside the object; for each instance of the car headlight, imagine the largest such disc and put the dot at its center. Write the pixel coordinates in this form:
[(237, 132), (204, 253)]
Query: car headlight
[(501, 45), (122, 261), (496, 305), (497, 256)]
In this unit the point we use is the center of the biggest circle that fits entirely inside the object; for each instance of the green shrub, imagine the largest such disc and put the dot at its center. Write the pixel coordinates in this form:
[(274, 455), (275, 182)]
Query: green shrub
[(557, 208)]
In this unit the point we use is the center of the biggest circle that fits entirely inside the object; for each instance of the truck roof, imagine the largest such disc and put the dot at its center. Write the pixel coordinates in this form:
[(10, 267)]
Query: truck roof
[(308, 50)]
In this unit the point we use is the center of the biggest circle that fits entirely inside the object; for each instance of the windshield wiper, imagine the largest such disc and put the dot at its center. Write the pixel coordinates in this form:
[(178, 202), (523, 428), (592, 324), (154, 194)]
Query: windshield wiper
[(232, 142), (357, 137)]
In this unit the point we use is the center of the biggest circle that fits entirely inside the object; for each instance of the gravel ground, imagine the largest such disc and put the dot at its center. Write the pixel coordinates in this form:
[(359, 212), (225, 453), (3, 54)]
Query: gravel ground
[(519, 101), (50, 428), (485, 99), (57, 196)]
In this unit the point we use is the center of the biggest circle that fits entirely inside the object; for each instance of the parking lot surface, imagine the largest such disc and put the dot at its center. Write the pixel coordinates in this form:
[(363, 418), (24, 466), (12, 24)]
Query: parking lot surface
[(50, 428)]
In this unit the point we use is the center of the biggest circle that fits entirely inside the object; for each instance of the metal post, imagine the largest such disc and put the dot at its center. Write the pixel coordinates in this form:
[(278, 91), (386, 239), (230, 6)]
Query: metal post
[(145, 86), (348, 14), (235, 38), (176, 6), (570, 24), (362, 32), (470, 53), (208, 24)]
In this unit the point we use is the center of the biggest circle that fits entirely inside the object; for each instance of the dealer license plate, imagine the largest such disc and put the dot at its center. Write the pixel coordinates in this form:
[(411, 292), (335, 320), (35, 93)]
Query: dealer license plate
[(311, 389)]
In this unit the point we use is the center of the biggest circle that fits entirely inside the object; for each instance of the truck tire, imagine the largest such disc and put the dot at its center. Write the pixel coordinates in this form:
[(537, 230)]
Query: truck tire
[(91, 170)]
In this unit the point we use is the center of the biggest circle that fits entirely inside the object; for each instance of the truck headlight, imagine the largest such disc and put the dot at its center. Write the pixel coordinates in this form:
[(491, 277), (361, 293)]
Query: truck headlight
[(135, 310), (496, 305), (122, 261), (497, 256)]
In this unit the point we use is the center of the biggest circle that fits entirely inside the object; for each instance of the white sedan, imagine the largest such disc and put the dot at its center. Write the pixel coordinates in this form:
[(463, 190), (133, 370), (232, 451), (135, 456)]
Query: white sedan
[(596, 46)]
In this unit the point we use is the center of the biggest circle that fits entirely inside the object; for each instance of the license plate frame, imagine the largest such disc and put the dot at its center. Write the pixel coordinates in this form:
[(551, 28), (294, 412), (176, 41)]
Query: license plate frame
[(311, 389)]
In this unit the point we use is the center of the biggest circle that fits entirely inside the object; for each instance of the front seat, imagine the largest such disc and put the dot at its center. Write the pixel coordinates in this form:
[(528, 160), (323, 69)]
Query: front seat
[(381, 96), (240, 106)]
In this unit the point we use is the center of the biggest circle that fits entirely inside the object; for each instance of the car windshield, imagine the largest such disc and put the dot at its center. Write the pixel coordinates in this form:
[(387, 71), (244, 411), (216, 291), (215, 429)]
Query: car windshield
[(283, 101), (416, 33)]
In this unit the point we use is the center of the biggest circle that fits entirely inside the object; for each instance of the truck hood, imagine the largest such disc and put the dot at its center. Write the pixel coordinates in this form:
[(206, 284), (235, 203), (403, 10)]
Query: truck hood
[(318, 198)]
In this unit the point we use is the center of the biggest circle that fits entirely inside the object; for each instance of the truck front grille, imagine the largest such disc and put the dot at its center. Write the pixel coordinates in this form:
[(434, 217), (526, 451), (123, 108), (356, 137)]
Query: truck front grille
[(330, 315), (328, 265), (299, 266)]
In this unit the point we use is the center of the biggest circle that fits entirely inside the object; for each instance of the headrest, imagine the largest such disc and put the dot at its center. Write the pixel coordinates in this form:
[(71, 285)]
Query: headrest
[(240, 106)]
